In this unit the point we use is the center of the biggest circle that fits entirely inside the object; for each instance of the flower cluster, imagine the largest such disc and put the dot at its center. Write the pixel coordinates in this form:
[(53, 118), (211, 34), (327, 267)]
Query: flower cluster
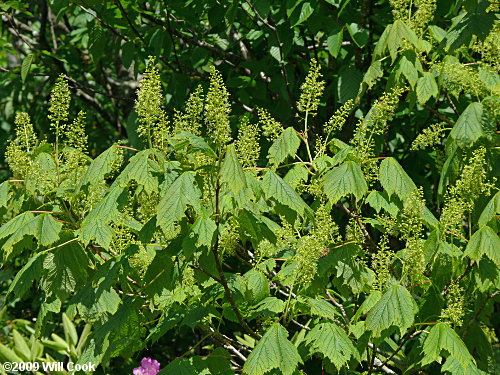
[(19, 150), (76, 135), (191, 120), (311, 90), (149, 366), (430, 137), (456, 77), (455, 308), (59, 105), (217, 110), (461, 197), (381, 263), (337, 121), (272, 128), (424, 13), (311, 247), (247, 143), (148, 105), (229, 237)]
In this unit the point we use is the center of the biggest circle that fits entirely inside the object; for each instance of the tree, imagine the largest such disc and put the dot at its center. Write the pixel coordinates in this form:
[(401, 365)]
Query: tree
[(363, 233)]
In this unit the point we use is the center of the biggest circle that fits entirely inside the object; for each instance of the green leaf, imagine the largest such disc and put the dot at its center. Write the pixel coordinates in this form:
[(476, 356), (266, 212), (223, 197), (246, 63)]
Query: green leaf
[(367, 304), (275, 52), (395, 308), (489, 77), (8, 355), (4, 193), (374, 71), (140, 169), (204, 228), (193, 142), (25, 278), (16, 230), (305, 13), (426, 87), (25, 66), (216, 363), (394, 179), (476, 23), (121, 332), (344, 180), (399, 32), (284, 146), (358, 34), (322, 308), (231, 171), (484, 242), (269, 306), (99, 168), (173, 205), (490, 211), (330, 341), (275, 188), (334, 42), (69, 330), (64, 269), (95, 226), (437, 33), (21, 346), (273, 351), (257, 286), (128, 53), (407, 67), (348, 85), (379, 200), (472, 125), (48, 230), (442, 336), (349, 270)]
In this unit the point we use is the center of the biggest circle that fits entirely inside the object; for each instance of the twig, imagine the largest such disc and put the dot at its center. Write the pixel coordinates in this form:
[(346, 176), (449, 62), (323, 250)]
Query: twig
[(222, 277), (339, 305), (400, 346), (460, 277), (478, 312), (301, 325), (125, 14), (273, 28), (368, 239), (60, 245), (439, 114), (124, 37)]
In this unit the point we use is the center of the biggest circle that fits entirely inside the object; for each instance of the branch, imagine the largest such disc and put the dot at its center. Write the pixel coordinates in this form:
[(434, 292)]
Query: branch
[(222, 277), (439, 114), (368, 239), (125, 14), (273, 28), (401, 346), (479, 311), (460, 277), (339, 305), (121, 36)]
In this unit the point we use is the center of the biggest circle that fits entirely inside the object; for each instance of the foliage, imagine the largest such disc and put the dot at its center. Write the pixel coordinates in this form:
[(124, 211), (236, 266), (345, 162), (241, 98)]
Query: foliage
[(227, 243)]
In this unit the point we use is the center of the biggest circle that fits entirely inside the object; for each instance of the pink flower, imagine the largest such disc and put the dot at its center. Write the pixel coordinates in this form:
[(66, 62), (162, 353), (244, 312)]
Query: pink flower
[(149, 366)]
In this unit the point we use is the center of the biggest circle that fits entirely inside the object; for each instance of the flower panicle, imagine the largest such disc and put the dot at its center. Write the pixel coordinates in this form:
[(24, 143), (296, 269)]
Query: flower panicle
[(272, 129), (76, 133), (60, 99), (148, 105), (311, 90), (247, 143), (217, 110)]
